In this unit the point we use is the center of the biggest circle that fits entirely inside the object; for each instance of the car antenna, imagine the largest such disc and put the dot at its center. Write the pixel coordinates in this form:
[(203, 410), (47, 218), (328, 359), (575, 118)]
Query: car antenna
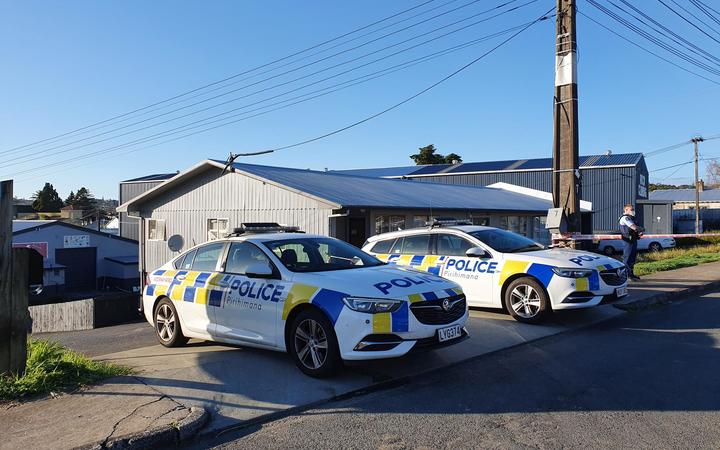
[(233, 156)]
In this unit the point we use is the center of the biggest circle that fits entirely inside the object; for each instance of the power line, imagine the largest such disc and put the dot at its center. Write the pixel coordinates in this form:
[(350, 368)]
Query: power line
[(317, 61), (653, 39), (233, 76), (647, 50), (397, 105), (22, 158), (8, 162), (688, 21), (702, 8)]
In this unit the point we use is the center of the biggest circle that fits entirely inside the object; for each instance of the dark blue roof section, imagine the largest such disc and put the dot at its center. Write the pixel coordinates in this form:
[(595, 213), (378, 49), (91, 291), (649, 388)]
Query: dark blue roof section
[(154, 177), (685, 195), (620, 159), (355, 190)]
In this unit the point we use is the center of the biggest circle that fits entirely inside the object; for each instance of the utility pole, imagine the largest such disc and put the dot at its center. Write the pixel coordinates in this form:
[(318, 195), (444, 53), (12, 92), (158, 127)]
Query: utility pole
[(566, 182), (695, 142)]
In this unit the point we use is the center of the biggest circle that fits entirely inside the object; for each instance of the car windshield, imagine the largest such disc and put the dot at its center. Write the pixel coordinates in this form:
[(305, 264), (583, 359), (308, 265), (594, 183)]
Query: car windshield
[(320, 254), (506, 241)]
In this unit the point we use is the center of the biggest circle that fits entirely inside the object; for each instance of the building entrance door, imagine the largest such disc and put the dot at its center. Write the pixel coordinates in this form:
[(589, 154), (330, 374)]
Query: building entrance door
[(356, 230)]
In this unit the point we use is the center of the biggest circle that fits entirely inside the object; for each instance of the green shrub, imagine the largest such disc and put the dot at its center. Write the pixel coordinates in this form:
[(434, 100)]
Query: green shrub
[(52, 367)]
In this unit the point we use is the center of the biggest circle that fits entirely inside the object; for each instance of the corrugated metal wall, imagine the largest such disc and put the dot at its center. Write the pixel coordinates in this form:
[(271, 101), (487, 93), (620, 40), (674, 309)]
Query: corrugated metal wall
[(129, 227), (235, 197), (607, 188)]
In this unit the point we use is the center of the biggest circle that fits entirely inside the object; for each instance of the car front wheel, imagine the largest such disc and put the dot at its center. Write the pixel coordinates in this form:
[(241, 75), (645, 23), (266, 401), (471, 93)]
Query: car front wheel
[(655, 247), (313, 345), (609, 250), (527, 301), (167, 325)]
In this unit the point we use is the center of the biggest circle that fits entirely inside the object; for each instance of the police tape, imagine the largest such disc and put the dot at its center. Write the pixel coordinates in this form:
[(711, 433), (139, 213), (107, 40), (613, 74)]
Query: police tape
[(607, 237)]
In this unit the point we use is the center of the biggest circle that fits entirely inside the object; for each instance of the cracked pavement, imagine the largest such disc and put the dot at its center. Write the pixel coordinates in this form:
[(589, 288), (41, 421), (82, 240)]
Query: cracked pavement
[(98, 414)]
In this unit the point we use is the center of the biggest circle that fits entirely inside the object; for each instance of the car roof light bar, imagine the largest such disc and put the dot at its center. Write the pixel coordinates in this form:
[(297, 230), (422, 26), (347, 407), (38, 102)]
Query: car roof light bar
[(263, 227), (439, 222)]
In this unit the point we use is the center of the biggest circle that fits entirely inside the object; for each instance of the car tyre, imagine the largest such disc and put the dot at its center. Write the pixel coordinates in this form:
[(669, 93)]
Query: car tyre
[(655, 247), (608, 250), (313, 345), (167, 324), (527, 301)]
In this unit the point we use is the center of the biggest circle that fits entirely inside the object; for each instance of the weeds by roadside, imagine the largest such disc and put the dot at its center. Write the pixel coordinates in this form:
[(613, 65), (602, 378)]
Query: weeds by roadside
[(52, 367), (676, 258)]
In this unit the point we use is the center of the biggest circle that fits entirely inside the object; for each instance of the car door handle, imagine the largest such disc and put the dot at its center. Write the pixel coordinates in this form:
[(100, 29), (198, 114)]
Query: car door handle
[(180, 277)]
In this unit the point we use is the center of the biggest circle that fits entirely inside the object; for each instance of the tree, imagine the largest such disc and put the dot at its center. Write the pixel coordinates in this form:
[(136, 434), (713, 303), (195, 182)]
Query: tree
[(428, 155), (70, 200), (713, 173), (47, 199), (84, 199)]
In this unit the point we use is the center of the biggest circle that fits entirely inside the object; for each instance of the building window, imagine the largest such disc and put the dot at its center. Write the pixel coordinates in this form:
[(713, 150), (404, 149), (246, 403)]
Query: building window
[(540, 233), (217, 228), (420, 221), (516, 224), (156, 230), (384, 224), (483, 221)]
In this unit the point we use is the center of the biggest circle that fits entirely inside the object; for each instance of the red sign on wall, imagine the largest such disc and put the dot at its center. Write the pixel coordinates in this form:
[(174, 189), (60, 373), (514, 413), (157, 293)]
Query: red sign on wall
[(40, 247)]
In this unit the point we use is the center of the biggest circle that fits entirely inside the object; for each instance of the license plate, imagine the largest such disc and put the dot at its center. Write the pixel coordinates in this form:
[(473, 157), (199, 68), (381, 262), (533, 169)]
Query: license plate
[(621, 292), (446, 334)]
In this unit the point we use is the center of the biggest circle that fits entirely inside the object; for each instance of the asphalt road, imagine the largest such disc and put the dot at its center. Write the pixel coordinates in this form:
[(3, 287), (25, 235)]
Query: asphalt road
[(102, 341), (643, 380)]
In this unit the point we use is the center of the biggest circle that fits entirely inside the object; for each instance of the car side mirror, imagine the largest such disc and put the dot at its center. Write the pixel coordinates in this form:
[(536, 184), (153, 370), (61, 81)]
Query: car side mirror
[(477, 252), (260, 270)]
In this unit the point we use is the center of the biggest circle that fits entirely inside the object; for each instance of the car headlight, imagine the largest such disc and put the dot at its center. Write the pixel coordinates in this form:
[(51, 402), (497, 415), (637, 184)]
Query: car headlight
[(372, 305), (572, 273)]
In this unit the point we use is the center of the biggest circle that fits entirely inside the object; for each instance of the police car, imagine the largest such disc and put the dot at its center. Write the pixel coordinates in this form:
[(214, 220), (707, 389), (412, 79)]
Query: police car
[(501, 269), (318, 298)]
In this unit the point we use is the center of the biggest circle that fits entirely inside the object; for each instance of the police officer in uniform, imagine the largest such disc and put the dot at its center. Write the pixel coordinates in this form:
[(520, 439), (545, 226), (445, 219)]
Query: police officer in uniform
[(631, 232)]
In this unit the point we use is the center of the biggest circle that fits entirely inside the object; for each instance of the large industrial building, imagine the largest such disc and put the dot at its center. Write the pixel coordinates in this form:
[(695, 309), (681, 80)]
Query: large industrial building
[(608, 181), (205, 202)]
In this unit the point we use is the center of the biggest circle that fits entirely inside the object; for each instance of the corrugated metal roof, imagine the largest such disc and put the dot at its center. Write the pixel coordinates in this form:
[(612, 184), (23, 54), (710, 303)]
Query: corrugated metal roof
[(354, 190), (620, 159), (685, 195), (154, 177), (19, 225)]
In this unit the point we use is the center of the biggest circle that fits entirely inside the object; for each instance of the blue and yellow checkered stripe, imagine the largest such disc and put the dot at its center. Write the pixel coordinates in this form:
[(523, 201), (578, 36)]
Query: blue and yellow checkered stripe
[(197, 287), (427, 263)]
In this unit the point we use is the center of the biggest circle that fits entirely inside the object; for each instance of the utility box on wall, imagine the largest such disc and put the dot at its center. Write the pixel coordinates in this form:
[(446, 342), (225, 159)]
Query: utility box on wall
[(656, 216)]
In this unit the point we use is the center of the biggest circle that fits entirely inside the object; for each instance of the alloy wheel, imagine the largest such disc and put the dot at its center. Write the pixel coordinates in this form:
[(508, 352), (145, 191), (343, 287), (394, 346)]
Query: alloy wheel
[(525, 301), (311, 344), (165, 323)]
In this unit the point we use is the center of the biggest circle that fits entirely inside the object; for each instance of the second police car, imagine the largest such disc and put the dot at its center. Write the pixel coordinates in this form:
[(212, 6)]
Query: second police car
[(318, 298), (501, 269)]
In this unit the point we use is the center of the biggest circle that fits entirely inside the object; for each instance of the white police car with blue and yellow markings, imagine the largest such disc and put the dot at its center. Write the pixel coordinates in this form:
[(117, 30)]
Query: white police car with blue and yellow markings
[(318, 298), (501, 269)]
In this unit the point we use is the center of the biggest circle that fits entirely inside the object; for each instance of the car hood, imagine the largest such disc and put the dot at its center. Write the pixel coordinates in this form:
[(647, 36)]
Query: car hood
[(559, 257), (385, 281)]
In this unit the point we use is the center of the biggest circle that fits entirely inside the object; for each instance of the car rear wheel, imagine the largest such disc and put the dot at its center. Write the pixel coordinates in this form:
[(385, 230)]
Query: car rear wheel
[(527, 301), (167, 325), (655, 247), (313, 345), (609, 250)]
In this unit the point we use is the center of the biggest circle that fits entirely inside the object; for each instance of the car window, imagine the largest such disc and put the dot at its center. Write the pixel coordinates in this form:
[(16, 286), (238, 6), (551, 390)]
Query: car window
[(451, 245), (187, 261), (178, 264), (319, 254), (506, 241), (243, 255), (383, 246), (416, 245), (207, 257)]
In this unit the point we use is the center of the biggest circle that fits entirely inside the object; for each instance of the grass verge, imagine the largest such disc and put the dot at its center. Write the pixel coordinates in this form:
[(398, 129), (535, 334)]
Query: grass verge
[(676, 259), (52, 368)]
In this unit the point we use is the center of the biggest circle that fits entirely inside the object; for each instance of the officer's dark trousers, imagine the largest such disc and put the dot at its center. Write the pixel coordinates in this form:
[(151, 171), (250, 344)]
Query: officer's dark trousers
[(630, 255)]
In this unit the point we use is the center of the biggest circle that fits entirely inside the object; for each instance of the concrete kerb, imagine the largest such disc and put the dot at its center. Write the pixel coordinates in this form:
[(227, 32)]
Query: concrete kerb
[(635, 306), (157, 437), (666, 297)]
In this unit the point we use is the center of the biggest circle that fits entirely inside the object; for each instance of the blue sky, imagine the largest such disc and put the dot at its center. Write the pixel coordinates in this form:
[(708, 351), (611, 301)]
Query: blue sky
[(70, 64)]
